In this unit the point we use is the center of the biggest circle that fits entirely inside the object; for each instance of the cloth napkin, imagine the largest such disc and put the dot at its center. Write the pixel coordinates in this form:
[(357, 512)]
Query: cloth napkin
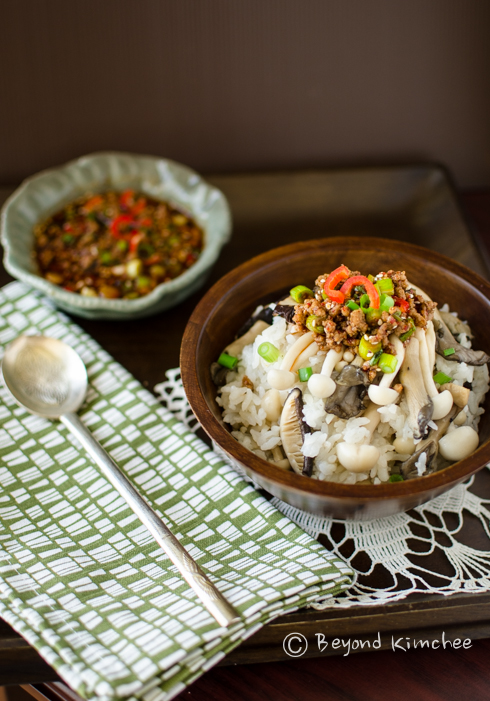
[(84, 582)]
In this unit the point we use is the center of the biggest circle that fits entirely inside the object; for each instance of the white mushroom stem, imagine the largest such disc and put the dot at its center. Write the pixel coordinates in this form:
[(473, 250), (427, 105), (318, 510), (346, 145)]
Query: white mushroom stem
[(283, 378), (442, 402), (382, 394), (305, 356), (321, 384), (279, 459), (236, 347), (361, 458)]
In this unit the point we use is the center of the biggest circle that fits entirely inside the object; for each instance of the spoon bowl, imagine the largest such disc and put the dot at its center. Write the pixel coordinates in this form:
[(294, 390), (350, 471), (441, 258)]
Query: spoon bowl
[(44, 375), (48, 378)]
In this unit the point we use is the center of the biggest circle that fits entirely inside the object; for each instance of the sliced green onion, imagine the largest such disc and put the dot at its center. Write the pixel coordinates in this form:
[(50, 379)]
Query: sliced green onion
[(365, 302), (227, 361), (313, 325), (396, 478), (268, 352), (305, 374), (387, 362), (122, 245), (373, 314), (386, 303), (405, 336), (105, 257), (376, 357), (370, 278), (300, 292), (352, 305), (449, 351), (68, 238), (385, 286), (367, 349), (441, 378)]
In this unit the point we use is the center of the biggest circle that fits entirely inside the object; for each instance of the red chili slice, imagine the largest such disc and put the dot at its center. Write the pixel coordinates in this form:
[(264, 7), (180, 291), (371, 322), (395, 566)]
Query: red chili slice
[(371, 291), (402, 303), (122, 221), (126, 200), (139, 206), (336, 276), (135, 241)]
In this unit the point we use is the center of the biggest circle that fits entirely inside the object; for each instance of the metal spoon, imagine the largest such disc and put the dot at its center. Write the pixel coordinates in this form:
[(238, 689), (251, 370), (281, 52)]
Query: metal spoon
[(48, 378)]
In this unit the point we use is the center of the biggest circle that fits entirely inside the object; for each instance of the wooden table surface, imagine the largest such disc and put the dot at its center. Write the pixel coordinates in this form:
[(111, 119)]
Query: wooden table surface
[(442, 674)]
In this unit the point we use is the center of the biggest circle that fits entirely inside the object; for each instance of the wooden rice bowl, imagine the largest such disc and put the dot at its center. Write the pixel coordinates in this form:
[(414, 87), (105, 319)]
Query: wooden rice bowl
[(228, 304)]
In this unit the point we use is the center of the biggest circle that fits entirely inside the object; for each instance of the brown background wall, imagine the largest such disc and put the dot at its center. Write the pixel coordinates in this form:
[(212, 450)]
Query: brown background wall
[(226, 85)]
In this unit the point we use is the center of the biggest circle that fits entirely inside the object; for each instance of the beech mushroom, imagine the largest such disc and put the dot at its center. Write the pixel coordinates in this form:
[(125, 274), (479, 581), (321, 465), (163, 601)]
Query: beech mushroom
[(442, 402), (292, 430), (279, 459), (458, 444), (361, 458), (419, 403), (272, 405), (382, 394), (321, 384), (283, 378)]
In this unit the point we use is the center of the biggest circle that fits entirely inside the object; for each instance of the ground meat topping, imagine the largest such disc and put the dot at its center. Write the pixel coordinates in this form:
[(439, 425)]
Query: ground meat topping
[(345, 323)]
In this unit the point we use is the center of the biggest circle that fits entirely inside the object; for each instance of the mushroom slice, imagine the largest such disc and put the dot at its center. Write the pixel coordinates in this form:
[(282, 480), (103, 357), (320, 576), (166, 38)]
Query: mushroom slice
[(218, 374), (292, 429), (445, 340), (265, 315), (429, 446), (348, 399), (460, 394), (287, 311), (419, 403), (236, 347)]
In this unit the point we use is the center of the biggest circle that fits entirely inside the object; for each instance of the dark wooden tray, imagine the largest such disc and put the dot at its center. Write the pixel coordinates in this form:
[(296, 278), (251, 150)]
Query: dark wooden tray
[(408, 203)]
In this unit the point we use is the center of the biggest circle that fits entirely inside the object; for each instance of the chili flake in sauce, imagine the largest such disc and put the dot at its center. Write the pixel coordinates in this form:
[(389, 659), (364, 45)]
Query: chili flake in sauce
[(116, 245)]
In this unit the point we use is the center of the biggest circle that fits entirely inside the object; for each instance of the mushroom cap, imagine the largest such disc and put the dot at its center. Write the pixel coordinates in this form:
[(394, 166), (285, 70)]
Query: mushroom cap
[(321, 386), (443, 403), (458, 444), (281, 379), (382, 395), (357, 458)]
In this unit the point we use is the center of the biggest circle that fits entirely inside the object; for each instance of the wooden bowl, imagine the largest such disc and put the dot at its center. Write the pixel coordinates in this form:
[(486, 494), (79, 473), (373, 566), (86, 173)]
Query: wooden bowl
[(265, 278)]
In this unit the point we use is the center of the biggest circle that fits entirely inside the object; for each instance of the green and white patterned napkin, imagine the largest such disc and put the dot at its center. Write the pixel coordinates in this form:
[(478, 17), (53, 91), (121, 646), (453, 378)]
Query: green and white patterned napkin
[(83, 581)]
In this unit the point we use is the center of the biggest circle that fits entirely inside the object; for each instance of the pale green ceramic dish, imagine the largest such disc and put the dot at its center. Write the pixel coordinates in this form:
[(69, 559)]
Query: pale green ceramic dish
[(47, 192)]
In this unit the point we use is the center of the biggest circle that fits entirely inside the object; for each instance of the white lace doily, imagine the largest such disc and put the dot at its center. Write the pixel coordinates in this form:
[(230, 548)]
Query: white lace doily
[(425, 550)]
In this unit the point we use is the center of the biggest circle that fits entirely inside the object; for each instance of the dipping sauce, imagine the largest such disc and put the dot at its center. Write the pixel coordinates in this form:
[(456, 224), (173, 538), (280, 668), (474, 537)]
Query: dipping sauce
[(116, 245)]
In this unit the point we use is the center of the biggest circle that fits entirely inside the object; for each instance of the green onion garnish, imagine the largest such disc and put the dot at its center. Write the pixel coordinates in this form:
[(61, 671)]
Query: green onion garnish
[(395, 478), (300, 292), (385, 286), (352, 305), (122, 245), (105, 257), (268, 352), (313, 325), (405, 336), (364, 302), (227, 361), (387, 362), (376, 357), (373, 314), (386, 303), (305, 374), (449, 351), (441, 378), (68, 238)]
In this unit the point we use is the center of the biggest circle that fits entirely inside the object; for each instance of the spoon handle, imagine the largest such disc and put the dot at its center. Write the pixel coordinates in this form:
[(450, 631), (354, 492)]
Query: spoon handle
[(210, 596)]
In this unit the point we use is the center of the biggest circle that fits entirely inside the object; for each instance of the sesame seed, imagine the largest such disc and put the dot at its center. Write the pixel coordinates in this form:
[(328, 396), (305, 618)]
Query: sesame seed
[(369, 354), (366, 337)]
